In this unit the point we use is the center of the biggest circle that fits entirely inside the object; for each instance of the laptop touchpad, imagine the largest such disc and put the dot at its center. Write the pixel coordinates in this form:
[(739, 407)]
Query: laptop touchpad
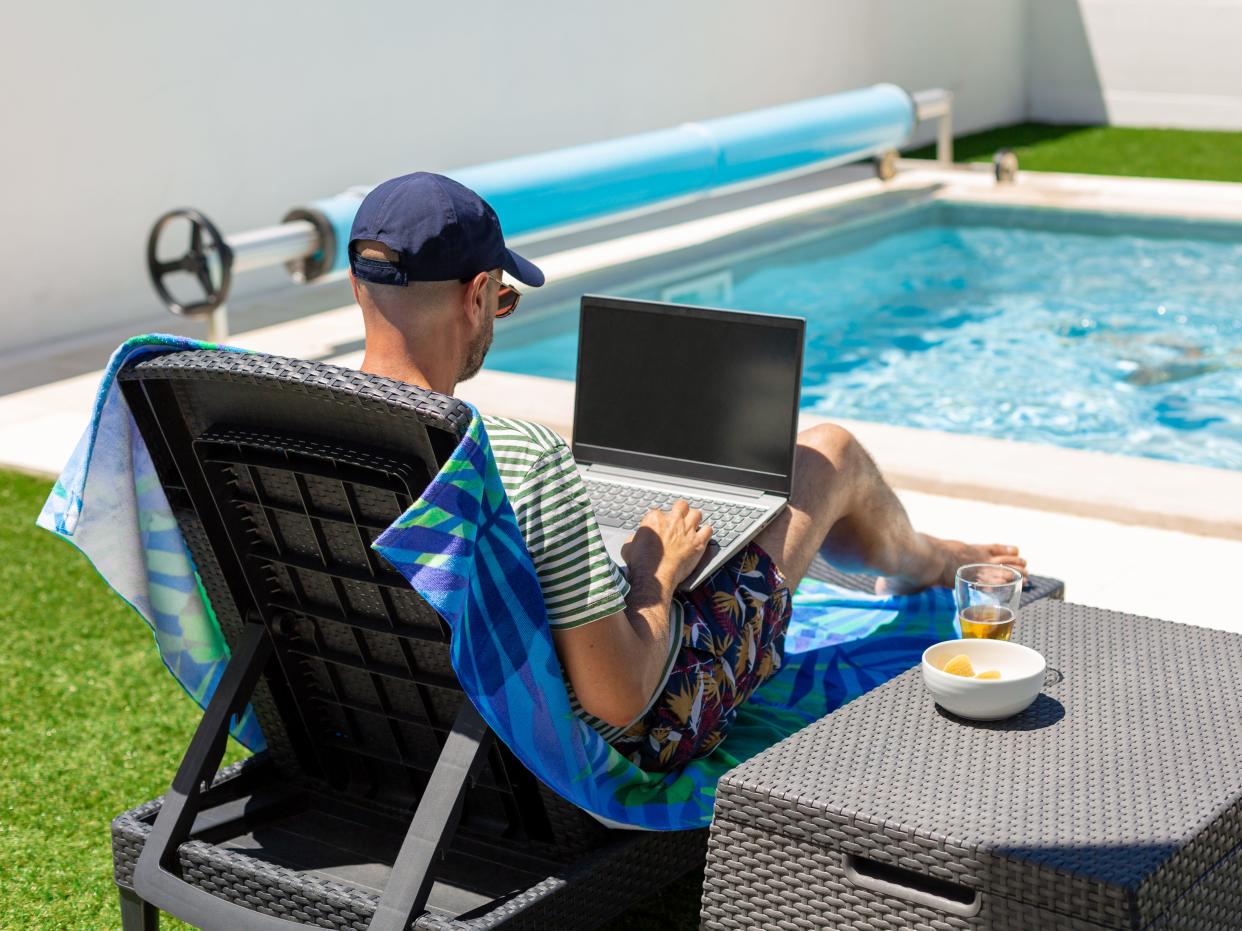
[(614, 539)]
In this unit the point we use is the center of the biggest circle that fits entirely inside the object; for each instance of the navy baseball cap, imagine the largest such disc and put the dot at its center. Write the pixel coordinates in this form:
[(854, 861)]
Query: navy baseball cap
[(440, 230)]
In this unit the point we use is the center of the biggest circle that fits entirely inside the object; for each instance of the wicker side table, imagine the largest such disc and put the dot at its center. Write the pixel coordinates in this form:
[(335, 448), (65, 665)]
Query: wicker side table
[(1115, 801)]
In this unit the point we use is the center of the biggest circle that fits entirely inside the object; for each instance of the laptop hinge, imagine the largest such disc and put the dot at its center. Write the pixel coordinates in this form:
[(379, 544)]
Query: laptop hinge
[(673, 481)]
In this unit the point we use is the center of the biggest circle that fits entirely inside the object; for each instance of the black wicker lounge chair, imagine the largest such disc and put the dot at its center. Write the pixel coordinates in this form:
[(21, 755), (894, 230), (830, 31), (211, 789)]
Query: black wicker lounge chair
[(383, 800)]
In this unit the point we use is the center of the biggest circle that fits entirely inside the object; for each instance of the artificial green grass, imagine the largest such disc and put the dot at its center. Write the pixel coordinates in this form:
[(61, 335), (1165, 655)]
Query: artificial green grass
[(92, 724), (1108, 150)]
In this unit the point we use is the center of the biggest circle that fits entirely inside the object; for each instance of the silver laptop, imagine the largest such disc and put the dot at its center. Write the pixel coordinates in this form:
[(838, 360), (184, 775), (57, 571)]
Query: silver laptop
[(686, 402)]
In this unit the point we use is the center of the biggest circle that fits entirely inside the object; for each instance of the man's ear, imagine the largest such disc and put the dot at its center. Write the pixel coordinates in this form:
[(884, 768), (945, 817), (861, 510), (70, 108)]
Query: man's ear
[(354, 282), (474, 297)]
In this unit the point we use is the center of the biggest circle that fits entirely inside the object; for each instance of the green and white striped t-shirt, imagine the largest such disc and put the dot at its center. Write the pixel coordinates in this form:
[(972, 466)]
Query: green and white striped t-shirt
[(580, 582)]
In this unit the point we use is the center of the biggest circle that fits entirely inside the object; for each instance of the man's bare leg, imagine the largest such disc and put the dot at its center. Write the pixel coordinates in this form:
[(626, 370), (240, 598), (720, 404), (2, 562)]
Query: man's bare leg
[(841, 506)]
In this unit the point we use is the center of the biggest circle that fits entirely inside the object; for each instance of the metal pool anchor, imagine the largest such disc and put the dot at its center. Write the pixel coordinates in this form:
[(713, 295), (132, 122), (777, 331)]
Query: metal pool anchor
[(1005, 165)]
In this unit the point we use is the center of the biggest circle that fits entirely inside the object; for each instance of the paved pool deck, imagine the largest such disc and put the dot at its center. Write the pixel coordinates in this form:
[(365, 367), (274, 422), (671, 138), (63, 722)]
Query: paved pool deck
[(1137, 535)]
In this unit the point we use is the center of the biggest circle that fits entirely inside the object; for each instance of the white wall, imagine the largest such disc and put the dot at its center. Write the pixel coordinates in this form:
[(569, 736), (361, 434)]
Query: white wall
[(112, 113), (1136, 62)]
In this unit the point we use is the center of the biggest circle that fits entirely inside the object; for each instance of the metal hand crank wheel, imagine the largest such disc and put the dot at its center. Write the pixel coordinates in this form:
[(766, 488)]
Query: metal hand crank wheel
[(205, 240)]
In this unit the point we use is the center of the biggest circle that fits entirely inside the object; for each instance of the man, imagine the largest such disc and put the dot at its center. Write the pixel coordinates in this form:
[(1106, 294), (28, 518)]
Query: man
[(659, 674)]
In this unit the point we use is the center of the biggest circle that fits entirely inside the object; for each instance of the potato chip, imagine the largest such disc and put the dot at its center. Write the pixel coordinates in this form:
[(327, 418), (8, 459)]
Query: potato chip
[(960, 666), (989, 674)]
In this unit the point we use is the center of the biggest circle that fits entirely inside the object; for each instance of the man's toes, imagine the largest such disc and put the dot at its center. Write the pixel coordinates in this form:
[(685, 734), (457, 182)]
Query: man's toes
[(1016, 562)]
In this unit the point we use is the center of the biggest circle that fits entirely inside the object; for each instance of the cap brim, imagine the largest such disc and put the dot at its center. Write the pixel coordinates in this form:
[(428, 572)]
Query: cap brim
[(522, 269)]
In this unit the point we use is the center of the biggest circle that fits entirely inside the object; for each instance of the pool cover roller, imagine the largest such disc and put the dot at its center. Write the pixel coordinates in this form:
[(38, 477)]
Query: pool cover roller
[(585, 183)]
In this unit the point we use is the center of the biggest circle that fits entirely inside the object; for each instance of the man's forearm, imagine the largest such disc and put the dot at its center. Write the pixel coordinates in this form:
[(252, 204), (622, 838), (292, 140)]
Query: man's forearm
[(647, 609)]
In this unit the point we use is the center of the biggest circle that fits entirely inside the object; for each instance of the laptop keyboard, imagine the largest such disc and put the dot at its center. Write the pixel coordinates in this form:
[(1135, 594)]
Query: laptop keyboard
[(625, 506)]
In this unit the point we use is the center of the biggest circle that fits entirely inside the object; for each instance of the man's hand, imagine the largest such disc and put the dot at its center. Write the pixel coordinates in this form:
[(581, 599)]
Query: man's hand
[(667, 545)]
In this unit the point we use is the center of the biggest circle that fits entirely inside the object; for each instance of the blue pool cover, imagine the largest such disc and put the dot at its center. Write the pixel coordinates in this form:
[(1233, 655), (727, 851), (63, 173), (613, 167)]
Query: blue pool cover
[(582, 183)]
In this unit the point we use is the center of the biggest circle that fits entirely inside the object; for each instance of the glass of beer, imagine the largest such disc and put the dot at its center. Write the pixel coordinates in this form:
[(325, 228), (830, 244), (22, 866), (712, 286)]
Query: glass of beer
[(987, 598)]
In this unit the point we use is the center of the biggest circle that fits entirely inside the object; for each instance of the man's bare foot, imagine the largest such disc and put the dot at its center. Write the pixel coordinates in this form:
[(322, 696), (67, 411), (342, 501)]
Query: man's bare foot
[(943, 560)]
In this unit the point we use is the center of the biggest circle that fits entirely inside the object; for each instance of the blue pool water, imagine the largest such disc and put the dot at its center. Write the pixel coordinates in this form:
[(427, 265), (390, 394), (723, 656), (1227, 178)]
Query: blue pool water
[(1111, 334)]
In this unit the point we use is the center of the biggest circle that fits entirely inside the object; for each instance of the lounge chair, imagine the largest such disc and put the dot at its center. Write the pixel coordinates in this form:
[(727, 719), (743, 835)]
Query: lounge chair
[(280, 473)]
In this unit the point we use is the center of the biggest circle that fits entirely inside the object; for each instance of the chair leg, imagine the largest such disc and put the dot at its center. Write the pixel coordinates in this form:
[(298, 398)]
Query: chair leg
[(137, 915)]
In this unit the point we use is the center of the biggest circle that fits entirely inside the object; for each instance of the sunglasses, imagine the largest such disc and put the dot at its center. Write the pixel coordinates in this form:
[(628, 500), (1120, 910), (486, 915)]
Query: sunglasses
[(507, 298)]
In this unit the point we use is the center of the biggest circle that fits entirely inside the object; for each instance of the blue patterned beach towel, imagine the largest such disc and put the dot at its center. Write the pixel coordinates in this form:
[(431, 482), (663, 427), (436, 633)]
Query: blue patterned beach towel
[(460, 548), (129, 534)]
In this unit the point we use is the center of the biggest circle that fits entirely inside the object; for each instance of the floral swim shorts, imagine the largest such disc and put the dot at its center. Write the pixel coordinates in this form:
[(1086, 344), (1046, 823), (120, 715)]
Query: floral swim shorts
[(732, 641)]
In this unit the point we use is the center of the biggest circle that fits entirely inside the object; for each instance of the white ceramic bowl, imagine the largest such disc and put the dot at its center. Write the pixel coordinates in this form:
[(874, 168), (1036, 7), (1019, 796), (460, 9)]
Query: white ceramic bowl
[(1021, 669)]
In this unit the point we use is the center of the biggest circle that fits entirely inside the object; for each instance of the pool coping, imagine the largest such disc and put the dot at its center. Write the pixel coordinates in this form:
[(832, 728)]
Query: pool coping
[(1168, 197)]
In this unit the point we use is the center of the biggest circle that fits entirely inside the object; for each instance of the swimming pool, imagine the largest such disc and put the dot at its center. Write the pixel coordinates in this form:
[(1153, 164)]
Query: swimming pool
[(1114, 333)]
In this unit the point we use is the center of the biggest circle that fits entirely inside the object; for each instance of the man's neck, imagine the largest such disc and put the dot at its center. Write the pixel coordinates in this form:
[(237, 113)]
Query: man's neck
[(426, 356), (399, 366)]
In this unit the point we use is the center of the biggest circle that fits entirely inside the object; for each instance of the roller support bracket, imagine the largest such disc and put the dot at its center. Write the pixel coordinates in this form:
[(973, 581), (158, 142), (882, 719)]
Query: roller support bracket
[(307, 268), (205, 242), (886, 165)]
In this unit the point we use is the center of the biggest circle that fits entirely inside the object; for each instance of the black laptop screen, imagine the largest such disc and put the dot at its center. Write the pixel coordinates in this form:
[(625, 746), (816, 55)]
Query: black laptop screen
[(708, 394)]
